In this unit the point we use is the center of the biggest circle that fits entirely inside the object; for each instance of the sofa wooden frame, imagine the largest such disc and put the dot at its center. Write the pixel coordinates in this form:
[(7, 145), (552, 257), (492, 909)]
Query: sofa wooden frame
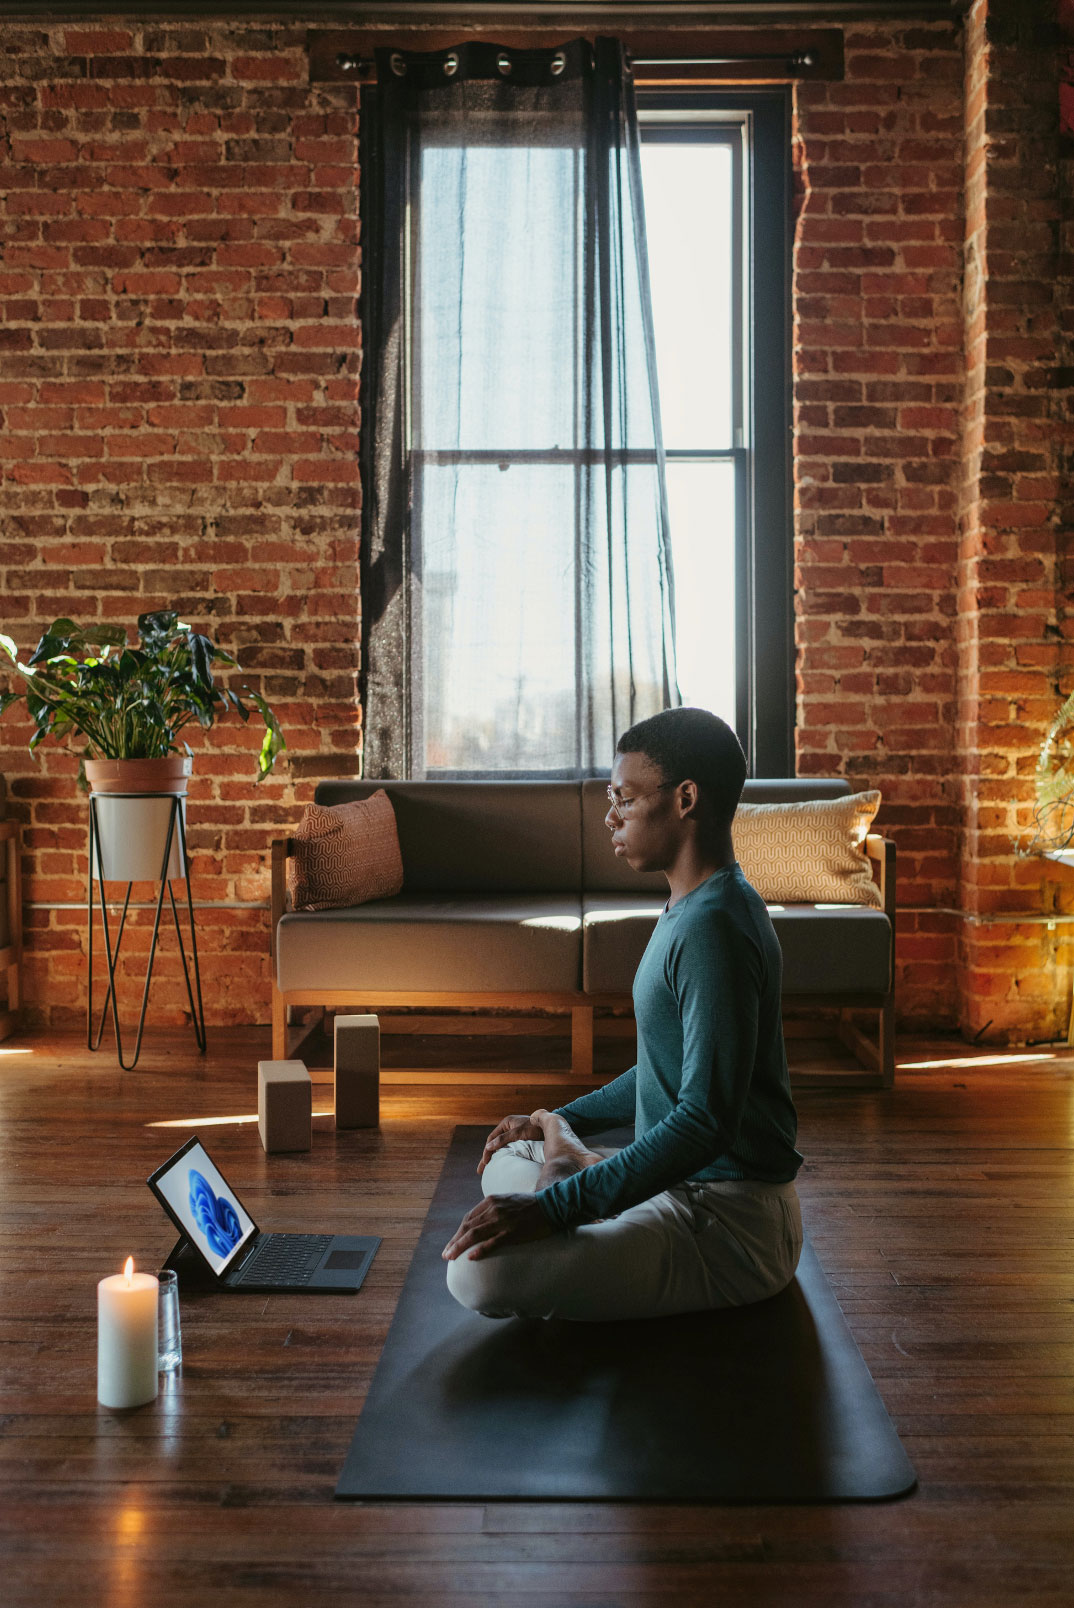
[(11, 953), (875, 1056)]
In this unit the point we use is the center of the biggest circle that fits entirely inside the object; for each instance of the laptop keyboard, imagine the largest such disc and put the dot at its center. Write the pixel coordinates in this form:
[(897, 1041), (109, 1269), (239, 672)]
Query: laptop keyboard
[(285, 1259)]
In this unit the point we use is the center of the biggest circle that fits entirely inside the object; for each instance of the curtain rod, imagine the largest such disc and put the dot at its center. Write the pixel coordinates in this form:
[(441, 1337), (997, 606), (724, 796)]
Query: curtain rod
[(797, 58)]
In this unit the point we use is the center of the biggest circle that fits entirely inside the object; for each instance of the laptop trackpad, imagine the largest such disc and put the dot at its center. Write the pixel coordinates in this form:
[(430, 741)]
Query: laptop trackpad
[(344, 1259)]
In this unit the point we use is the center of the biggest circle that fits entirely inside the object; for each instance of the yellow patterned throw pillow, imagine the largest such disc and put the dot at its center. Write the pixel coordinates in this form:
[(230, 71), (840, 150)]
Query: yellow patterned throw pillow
[(345, 854), (809, 853)]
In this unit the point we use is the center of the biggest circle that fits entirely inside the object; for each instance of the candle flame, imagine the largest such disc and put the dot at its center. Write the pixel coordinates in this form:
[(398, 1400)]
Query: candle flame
[(128, 1268)]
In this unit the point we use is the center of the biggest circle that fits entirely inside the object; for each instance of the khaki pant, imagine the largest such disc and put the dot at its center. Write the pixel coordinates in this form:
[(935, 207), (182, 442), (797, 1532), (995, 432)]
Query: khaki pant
[(688, 1249)]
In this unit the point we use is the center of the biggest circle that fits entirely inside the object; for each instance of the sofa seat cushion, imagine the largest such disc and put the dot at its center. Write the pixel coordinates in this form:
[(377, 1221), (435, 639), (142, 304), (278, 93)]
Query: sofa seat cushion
[(422, 943), (827, 949), (833, 949), (615, 930)]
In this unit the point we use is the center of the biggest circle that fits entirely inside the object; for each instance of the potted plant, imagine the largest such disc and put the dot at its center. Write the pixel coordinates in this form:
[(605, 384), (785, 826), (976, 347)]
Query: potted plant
[(1053, 813), (130, 703)]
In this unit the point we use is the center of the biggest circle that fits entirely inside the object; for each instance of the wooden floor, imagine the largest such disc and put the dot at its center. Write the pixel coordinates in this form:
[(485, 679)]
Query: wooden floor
[(943, 1211)]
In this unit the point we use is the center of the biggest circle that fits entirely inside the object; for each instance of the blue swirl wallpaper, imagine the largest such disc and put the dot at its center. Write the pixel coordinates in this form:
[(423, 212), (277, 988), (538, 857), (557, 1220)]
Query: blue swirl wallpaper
[(214, 1214)]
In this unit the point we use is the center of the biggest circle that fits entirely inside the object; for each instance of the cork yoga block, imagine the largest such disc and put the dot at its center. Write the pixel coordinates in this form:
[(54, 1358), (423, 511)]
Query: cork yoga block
[(284, 1105), (357, 1071)]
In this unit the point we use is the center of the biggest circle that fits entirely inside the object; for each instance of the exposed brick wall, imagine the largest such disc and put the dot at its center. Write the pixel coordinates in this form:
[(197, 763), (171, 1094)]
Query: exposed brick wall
[(179, 356), (933, 447), (178, 391), (878, 376), (1014, 520)]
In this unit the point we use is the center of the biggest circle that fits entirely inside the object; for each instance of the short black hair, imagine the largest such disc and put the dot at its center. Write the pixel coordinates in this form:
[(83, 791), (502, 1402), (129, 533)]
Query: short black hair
[(693, 745)]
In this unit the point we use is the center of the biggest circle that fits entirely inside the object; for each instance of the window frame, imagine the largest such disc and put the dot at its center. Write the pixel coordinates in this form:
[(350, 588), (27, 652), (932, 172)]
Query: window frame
[(764, 604), (765, 693)]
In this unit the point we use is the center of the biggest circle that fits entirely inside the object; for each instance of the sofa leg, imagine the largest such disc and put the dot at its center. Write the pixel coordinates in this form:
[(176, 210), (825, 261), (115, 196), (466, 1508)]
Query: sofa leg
[(879, 1058), (582, 1041), (279, 1026), (886, 1037)]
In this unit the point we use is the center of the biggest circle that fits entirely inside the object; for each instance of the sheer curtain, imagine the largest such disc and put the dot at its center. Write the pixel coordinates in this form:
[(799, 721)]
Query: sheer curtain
[(517, 584)]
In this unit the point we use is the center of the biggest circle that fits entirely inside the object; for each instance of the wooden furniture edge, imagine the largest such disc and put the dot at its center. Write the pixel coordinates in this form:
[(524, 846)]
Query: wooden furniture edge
[(11, 956), (882, 851)]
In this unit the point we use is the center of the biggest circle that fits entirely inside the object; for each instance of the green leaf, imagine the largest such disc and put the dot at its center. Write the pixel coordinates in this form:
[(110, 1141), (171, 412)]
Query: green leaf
[(239, 705), (105, 636), (50, 647), (274, 739), (155, 631), (201, 653)]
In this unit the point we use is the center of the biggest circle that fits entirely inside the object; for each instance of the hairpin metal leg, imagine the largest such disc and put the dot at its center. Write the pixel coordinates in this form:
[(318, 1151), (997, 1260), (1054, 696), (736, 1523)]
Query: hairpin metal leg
[(197, 1011), (95, 1044)]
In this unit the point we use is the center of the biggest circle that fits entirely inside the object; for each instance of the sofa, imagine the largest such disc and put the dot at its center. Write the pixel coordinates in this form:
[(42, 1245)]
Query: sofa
[(512, 897)]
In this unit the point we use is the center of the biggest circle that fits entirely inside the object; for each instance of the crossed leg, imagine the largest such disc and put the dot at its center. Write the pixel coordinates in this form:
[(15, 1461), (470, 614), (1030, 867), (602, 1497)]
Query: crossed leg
[(687, 1249), (640, 1263)]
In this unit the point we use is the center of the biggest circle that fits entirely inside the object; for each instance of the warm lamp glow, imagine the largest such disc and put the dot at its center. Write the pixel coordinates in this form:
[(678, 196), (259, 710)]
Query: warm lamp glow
[(130, 1522), (128, 1269)]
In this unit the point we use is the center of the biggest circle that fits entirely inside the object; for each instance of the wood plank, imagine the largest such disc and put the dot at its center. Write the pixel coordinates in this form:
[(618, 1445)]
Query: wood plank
[(942, 1210)]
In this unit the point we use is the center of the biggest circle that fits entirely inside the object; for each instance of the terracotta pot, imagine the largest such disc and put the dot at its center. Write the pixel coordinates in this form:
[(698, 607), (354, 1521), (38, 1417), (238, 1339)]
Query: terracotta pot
[(134, 830), (167, 775)]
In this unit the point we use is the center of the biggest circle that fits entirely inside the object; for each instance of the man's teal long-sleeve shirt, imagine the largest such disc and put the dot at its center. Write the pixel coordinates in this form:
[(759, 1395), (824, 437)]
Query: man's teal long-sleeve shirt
[(710, 1095)]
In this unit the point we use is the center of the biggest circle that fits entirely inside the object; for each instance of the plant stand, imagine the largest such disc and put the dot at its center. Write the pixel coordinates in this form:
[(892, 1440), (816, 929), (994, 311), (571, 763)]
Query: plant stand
[(1065, 857), (175, 837)]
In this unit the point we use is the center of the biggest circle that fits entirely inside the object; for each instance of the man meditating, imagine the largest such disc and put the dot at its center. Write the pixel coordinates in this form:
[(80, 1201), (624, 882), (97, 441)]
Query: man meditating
[(700, 1210)]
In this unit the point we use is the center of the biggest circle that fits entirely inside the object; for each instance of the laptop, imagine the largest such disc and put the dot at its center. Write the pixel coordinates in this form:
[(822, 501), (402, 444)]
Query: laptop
[(226, 1242)]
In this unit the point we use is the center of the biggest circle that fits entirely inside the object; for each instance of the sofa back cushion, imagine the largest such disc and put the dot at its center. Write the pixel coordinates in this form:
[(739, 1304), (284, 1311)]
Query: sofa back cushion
[(345, 854), (604, 873), (480, 837), (808, 852)]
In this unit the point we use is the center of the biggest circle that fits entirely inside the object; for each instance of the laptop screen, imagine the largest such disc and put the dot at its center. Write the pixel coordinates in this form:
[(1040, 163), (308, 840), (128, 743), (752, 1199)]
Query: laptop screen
[(204, 1205)]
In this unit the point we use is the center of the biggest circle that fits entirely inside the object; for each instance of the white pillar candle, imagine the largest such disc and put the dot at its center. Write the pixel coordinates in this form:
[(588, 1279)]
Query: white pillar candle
[(127, 1338)]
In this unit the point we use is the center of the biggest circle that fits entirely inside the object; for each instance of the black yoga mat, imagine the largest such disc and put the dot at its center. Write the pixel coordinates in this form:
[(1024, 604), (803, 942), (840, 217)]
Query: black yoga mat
[(766, 1403)]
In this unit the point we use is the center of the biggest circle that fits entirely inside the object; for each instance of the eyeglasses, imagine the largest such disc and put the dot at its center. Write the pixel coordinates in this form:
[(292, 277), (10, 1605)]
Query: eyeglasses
[(624, 807)]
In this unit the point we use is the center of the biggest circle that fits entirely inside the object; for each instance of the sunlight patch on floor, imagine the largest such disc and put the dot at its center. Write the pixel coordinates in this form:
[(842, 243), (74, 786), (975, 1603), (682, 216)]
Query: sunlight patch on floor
[(218, 1122), (975, 1060)]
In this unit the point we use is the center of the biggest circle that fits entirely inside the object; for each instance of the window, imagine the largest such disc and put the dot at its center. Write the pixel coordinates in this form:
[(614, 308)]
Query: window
[(716, 182)]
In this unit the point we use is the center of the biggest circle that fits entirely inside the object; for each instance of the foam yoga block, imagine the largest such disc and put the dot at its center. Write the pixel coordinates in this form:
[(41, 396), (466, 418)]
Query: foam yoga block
[(284, 1105), (357, 1071)]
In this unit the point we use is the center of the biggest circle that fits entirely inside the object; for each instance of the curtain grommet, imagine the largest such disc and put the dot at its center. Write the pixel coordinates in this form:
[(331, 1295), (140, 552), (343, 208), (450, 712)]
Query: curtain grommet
[(451, 64), (559, 62), (503, 63), (397, 64)]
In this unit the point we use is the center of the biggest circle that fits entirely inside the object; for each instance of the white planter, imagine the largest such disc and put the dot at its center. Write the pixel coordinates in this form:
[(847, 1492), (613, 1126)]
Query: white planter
[(133, 832)]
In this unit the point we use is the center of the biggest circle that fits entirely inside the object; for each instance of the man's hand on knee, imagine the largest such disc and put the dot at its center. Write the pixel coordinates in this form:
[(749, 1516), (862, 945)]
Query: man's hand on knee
[(506, 1131), (498, 1220)]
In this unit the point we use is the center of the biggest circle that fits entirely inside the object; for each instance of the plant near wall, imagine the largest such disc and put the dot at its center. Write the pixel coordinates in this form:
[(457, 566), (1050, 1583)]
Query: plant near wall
[(130, 701), (1053, 812)]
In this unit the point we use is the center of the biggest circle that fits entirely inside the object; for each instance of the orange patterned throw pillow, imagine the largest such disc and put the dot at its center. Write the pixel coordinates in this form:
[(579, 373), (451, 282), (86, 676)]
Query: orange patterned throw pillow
[(808, 853), (345, 854)]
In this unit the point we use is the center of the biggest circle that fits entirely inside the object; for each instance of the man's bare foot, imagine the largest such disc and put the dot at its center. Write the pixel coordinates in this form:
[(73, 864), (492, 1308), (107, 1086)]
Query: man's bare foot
[(564, 1152)]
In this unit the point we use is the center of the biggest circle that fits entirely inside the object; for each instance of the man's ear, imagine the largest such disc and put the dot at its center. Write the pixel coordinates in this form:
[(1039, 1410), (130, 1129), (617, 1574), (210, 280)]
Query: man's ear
[(689, 798)]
